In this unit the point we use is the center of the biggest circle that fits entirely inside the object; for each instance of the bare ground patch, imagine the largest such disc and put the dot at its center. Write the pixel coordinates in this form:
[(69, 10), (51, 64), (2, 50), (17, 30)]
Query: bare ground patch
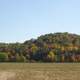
[(7, 75)]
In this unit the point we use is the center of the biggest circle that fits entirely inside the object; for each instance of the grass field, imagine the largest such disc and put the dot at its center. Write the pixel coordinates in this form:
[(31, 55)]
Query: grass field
[(39, 71)]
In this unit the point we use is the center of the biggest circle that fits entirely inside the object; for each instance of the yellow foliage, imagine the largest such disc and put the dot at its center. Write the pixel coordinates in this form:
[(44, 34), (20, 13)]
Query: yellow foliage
[(51, 55)]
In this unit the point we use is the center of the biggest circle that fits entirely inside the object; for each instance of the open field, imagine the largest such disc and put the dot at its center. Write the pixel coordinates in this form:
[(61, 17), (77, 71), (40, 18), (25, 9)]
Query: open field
[(39, 71)]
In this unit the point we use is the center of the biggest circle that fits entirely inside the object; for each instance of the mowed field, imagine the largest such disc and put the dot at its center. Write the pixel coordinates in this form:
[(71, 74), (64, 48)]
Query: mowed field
[(39, 71)]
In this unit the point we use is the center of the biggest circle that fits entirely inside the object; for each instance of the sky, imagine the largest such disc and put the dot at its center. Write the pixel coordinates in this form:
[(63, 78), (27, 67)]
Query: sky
[(22, 20)]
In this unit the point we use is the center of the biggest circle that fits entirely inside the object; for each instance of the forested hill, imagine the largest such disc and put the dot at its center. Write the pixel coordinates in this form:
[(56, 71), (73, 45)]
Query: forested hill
[(57, 47)]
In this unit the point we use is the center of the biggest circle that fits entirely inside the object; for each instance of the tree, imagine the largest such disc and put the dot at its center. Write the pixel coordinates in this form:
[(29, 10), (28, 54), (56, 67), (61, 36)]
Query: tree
[(51, 56)]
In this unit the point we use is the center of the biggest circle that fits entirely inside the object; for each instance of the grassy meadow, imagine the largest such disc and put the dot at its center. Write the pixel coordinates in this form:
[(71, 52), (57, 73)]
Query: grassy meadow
[(39, 71)]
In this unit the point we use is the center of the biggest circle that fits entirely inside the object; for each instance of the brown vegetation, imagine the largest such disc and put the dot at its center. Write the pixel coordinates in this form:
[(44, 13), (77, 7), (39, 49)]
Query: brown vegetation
[(39, 71)]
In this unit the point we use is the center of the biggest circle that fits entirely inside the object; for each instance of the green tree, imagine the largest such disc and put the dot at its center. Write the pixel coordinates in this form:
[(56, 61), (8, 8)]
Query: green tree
[(3, 57)]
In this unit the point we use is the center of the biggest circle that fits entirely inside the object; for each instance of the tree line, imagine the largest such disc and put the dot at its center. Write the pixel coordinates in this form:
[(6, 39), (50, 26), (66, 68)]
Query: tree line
[(53, 47)]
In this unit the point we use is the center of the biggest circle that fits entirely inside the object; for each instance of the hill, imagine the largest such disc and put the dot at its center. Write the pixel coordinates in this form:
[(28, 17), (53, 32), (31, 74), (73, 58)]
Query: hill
[(53, 47)]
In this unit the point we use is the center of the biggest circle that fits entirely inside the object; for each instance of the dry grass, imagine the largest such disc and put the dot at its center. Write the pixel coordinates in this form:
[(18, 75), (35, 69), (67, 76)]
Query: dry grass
[(39, 71)]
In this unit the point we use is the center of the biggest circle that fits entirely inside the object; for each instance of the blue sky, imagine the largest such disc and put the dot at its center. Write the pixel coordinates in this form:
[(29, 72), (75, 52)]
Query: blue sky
[(21, 20)]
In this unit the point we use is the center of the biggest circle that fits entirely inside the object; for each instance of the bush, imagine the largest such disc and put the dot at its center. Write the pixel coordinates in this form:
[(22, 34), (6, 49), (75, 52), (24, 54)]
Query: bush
[(2, 57)]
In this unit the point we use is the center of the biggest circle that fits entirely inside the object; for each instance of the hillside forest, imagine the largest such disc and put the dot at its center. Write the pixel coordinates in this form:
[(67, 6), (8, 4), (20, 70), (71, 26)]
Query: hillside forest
[(53, 47)]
